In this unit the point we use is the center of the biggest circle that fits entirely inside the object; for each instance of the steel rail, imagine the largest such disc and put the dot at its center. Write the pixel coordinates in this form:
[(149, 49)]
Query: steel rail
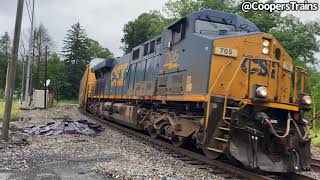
[(236, 171), (315, 165)]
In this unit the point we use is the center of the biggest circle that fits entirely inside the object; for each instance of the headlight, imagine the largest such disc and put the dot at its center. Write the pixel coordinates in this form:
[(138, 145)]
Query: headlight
[(265, 50), (266, 43), (262, 92), (306, 99)]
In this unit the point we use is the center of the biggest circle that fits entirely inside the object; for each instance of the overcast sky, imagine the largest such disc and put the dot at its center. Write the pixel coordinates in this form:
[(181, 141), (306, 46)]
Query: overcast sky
[(102, 19)]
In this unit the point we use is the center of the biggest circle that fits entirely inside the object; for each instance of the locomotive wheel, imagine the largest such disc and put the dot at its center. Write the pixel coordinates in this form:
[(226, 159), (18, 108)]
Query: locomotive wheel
[(177, 140), (152, 132)]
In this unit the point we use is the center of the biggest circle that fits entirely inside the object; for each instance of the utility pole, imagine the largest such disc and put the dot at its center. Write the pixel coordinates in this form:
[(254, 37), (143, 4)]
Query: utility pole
[(10, 82), (45, 77), (22, 84), (32, 61), (8, 66), (26, 96)]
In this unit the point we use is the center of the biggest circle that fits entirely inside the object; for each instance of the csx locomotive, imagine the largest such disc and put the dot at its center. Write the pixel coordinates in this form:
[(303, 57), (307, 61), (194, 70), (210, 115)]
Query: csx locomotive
[(212, 79)]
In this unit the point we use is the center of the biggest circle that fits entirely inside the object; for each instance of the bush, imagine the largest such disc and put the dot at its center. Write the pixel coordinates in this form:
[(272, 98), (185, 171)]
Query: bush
[(316, 139), (1, 94)]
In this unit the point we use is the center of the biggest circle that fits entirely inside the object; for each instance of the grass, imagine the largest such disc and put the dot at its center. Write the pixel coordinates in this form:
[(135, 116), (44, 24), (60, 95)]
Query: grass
[(15, 108), (316, 140), (67, 102)]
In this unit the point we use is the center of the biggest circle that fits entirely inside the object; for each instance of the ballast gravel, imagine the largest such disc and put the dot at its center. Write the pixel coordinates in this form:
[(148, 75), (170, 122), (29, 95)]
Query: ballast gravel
[(110, 155), (315, 151)]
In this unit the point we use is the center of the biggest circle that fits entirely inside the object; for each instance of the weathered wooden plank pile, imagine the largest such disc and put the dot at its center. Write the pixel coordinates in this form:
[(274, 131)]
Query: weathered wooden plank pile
[(65, 127)]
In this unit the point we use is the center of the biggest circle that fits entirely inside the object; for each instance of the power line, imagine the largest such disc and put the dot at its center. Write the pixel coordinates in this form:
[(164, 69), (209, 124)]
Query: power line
[(25, 35), (28, 10), (33, 12)]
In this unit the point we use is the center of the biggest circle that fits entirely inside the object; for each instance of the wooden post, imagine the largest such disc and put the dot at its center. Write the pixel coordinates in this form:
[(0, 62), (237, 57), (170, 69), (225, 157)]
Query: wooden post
[(11, 75)]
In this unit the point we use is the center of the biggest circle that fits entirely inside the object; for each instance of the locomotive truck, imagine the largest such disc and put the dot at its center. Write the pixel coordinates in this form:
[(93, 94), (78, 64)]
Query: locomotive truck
[(212, 79)]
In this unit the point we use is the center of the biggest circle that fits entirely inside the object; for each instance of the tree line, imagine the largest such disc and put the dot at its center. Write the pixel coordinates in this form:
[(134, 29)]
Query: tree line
[(65, 70)]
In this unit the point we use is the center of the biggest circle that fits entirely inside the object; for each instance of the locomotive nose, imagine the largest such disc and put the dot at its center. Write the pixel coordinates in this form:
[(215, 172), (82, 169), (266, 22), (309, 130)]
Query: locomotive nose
[(266, 69), (262, 68)]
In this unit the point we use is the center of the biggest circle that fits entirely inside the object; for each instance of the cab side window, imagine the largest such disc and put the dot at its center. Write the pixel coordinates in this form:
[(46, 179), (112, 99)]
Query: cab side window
[(146, 49), (135, 54), (175, 33), (179, 31), (152, 47)]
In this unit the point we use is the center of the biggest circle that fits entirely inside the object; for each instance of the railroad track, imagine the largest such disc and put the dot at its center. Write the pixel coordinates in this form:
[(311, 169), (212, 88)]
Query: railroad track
[(315, 165), (195, 158)]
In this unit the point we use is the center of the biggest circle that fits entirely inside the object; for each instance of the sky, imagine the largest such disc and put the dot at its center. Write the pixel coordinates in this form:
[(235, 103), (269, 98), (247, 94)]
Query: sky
[(102, 19)]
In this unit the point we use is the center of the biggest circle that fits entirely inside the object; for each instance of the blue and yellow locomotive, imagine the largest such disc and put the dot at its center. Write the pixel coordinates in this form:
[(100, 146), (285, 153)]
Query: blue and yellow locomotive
[(213, 79)]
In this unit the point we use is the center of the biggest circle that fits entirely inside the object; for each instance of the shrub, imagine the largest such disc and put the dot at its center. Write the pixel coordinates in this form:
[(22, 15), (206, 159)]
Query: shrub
[(1, 94)]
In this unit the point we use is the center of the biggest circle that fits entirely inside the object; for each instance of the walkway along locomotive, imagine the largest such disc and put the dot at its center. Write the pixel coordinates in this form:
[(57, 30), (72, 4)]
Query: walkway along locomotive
[(211, 78)]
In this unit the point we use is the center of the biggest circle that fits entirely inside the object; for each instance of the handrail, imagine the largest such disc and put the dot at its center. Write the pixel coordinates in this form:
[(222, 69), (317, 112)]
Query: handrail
[(298, 72), (303, 73), (210, 90), (299, 67), (249, 74), (295, 86), (225, 65), (227, 91), (314, 113)]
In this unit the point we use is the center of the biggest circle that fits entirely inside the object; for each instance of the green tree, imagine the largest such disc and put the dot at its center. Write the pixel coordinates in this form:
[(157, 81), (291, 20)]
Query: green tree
[(5, 55), (18, 81), (76, 55), (298, 38), (78, 51), (57, 73), (5, 51), (314, 84), (264, 20), (96, 50), (146, 26), (42, 40), (5, 45), (180, 8)]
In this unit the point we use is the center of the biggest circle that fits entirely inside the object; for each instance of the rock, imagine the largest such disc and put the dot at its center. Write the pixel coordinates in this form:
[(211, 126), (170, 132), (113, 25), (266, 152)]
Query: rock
[(19, 138)]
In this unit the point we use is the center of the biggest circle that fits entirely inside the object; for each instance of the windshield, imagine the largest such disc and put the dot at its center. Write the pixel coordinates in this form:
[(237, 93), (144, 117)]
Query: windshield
[(202, 26), (96, 61)]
